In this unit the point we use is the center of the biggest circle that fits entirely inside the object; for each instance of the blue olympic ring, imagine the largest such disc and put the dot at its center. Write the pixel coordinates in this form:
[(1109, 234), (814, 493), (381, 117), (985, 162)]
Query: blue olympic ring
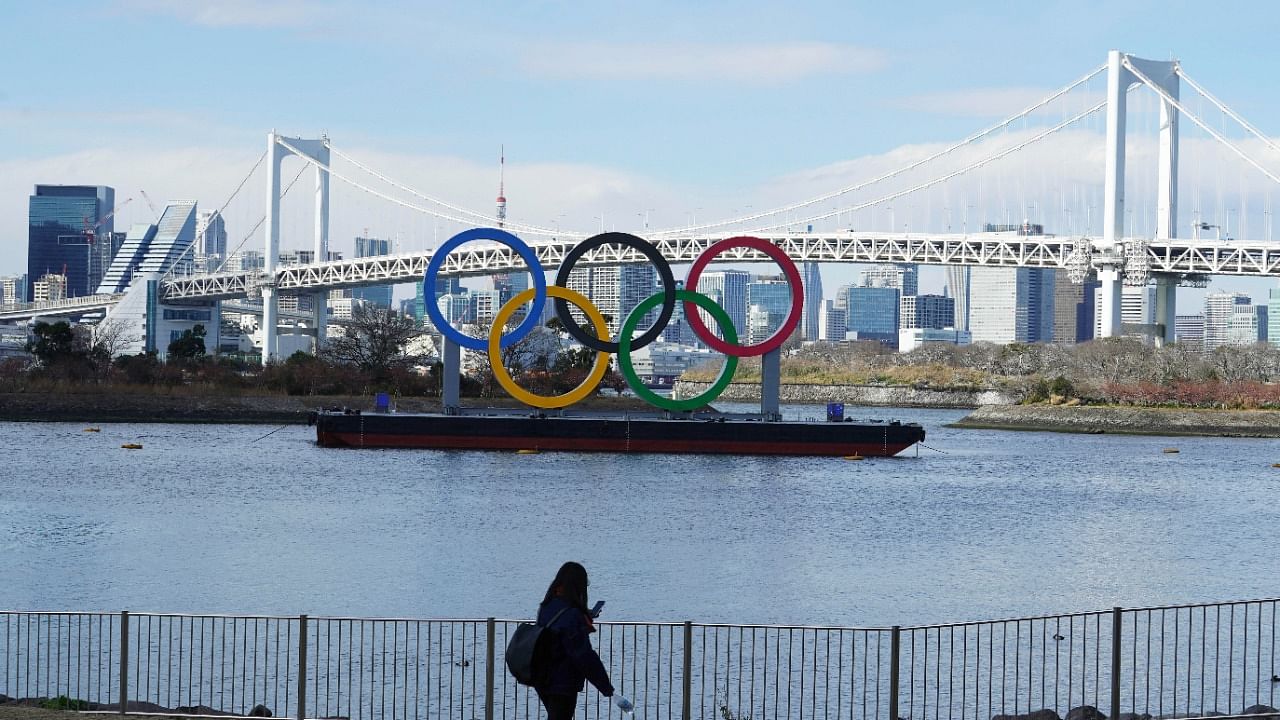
[(526, 253)]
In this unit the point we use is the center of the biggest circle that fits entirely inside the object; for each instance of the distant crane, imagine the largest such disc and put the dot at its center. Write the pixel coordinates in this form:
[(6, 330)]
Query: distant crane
[(154, 210), (91, 228)]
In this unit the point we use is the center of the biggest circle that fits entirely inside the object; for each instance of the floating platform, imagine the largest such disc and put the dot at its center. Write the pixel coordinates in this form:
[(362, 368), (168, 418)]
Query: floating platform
[(703, 433)]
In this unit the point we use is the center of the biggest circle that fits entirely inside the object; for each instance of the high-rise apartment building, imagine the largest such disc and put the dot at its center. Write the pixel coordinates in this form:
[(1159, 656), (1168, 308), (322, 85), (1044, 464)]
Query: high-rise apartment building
[(926, 311), (902, 277), (958, 288), (13, 289), (1008, 305), (729, 288), (1219, 308), (1189, 330), (768, 303), (379, 295), (615, 290), (58, 218), (50, 287), (810, 324), (1248, 325), (1137, 307), (1073, 310), (835, 322), (211, 235)]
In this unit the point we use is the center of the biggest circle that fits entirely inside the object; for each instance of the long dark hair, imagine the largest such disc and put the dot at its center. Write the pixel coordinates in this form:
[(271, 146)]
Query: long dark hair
[(570, 585)]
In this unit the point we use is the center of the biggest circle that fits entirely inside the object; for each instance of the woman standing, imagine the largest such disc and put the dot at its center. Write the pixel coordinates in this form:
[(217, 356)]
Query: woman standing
[(571, 659)]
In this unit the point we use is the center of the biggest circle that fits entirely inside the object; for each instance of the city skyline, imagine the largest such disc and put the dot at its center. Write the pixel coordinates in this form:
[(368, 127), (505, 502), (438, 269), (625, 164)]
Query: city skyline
[(190, 131)]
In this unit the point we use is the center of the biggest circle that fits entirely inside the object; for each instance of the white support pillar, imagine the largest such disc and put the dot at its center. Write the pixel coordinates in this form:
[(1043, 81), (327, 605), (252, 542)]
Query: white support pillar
[(270, 303), (1118, 80), (1167, 187), (1166, 311), (320, 300), (1110, 297)]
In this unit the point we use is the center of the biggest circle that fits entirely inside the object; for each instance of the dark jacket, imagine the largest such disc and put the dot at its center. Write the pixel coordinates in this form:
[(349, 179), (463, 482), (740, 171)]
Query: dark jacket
[(572, 658)]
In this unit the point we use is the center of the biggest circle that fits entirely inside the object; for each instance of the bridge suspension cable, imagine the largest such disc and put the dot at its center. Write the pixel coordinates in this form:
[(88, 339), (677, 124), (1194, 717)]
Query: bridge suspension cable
[(1230, 113), (234, 193), (261, 220), (1203, 125), (939, 180), (890, 175), (531, 229)]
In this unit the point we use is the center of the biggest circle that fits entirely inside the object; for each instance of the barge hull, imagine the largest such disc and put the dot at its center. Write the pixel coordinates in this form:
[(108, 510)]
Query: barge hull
[(618, 435)]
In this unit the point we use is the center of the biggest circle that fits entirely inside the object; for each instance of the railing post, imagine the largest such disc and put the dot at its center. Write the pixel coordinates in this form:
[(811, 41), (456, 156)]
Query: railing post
[(302, 667), (686, 704), (895, 646), (1117, 617), (490, 634), (124, 661)]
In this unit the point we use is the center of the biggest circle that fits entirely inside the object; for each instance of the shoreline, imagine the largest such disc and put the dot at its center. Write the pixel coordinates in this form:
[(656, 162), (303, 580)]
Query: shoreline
[(862, 395), (1094, 420), (105, 407)]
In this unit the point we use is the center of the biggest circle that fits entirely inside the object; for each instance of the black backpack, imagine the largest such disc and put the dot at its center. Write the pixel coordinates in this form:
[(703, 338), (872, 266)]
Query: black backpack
[(528, 649)]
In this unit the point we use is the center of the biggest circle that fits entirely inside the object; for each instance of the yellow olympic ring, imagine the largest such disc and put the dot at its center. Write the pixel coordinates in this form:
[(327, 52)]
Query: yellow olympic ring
[(598, 369)]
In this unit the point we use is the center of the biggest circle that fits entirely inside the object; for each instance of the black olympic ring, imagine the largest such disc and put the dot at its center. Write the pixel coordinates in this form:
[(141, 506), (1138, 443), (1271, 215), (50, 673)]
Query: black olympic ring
[(646, 249)]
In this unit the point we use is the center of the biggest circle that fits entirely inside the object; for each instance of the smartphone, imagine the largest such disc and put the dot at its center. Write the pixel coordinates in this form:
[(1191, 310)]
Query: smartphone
[(595, 611)]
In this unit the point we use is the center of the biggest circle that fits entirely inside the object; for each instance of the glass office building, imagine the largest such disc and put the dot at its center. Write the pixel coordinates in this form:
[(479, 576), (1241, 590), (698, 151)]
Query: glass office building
[(56, 239), (873, 313)]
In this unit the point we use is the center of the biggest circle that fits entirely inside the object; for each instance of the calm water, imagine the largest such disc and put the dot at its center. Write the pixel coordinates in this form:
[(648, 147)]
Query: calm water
[(205, 519)]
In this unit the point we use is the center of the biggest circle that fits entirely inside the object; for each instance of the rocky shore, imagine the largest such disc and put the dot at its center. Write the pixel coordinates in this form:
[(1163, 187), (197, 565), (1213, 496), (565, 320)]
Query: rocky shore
[(875, 395), (1125, 420)]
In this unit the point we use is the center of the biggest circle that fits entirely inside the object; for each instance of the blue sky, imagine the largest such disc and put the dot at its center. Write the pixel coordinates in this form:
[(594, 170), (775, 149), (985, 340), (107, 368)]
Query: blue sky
[(685, 110)]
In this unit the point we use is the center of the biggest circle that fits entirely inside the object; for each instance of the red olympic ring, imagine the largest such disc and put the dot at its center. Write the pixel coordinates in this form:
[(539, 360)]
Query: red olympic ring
[(774, 341)]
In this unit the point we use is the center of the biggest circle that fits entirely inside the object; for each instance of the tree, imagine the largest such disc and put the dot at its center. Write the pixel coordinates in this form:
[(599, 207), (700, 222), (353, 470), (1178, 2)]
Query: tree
[(376, 341), (52, 343), (111, 336), (189, 346)]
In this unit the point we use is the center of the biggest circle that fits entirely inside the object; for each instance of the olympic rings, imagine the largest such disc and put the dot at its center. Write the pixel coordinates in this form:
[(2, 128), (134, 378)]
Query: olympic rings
[(773, 342), (670, 294), (646, 249), (598, 369), (526, 253), (638, 387)]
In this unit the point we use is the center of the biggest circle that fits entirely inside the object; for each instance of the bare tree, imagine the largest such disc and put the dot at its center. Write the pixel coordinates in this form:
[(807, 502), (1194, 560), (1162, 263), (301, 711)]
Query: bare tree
[(111, 336), (377, 341)]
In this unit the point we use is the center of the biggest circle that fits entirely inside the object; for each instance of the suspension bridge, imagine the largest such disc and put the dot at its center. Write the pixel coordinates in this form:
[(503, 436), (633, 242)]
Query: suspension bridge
[(1116, 256)]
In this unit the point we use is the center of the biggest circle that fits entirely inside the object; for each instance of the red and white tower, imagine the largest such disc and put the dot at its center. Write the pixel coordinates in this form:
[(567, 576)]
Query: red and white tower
[(502, 199)]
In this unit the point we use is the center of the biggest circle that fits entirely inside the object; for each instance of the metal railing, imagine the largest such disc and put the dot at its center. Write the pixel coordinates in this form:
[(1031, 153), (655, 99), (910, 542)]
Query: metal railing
[(1189, 660)]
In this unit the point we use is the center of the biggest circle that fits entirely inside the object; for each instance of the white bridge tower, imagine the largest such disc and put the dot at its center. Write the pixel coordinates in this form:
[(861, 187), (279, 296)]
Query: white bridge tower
[(317, 150)]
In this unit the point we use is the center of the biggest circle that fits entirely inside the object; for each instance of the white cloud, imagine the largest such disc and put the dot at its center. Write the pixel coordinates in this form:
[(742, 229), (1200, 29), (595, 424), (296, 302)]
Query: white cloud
[(753, 63)]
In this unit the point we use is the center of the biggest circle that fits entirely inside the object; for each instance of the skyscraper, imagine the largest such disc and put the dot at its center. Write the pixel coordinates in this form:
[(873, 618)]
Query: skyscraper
[(729, 288), (1273, 317), (379, 295), (211, 235), (810, 322), (958, 286), (58, 217), (1137, 307), (1189, 330), (128, 258), (1008, 305), (873, 313), (768, 303), (1248, 325), (615, 290), (1219, 308), (175, 234)]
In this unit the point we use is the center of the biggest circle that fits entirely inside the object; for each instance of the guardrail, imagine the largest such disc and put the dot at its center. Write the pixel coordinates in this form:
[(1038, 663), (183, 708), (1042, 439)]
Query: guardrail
[(1189, 660)]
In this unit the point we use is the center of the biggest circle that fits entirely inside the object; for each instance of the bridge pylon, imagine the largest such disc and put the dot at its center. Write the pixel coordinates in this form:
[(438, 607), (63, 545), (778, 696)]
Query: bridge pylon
[(279, 146), (1111, 257)]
